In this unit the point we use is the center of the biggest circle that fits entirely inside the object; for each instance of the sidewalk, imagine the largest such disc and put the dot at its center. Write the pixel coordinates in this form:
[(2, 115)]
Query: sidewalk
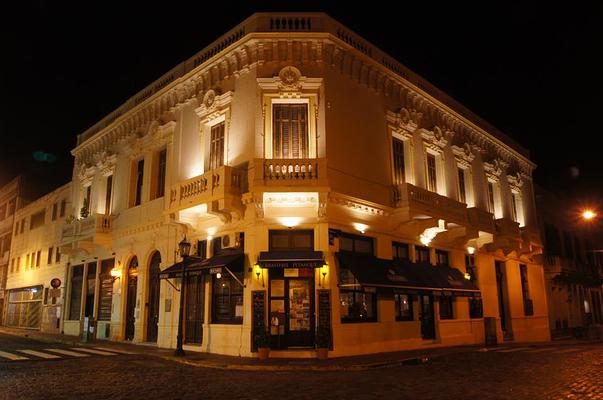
[(208, 360)]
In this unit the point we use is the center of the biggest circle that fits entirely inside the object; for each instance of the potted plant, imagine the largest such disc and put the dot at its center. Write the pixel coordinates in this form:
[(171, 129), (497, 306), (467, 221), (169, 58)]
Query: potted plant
[(262, 343), (323, 342)]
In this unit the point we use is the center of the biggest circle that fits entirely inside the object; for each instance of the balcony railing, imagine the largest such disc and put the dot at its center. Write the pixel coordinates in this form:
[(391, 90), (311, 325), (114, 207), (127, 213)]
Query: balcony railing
[(481, 219), (207, 187), (507, 227), (425, 202), (290, 172), (88, 229)]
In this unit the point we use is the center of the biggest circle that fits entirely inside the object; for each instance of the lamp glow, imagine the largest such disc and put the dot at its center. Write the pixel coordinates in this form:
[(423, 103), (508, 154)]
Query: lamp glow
[(290, 222), (470, 249), (467, 276), (115, 273), (218, 275), (425, 240), (360, 227)]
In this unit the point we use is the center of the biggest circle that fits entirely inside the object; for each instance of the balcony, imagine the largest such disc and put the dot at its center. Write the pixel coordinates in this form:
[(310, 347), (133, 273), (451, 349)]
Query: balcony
[(219, 189), (506, 227), (297, 172), (481, 220), (423, 203), (87, 233)]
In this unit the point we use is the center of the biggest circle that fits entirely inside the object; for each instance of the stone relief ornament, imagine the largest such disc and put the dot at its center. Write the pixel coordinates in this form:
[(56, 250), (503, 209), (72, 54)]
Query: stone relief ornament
[(290, 79), (209, 98)]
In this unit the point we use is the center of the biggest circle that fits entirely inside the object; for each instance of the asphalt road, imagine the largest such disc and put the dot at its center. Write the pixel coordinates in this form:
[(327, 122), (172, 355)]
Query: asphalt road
[(556, 371)]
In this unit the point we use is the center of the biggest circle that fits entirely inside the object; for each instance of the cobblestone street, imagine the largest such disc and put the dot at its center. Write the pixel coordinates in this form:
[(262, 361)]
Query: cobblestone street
[(555, 371)]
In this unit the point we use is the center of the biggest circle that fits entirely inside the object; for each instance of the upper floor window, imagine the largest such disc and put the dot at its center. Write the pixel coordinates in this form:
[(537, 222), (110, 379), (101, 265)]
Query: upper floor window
[(442, 258), (422, 254), (399, 161), (400, 251), (296, 239), (85, 210), (432, 180), (356, 244), (54, 211), (108, 194), (63, 207), (158, 174), (216, 146), (494, 205), (290, 130), (462, 185), (37, 219), (517, 208), (137, 178)]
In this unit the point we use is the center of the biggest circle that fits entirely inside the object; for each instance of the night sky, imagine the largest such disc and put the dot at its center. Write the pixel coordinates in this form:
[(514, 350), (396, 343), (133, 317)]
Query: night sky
[(532, 70)]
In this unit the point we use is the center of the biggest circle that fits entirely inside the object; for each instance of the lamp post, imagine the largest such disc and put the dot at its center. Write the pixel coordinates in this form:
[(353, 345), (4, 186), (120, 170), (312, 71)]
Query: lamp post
[(184, 248)]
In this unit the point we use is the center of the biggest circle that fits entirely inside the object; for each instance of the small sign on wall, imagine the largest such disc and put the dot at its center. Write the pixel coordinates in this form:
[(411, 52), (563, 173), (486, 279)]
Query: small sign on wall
[(168, 305)]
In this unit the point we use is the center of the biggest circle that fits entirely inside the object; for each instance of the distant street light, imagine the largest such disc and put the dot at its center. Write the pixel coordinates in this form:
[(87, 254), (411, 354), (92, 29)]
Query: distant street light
[(588, 215)]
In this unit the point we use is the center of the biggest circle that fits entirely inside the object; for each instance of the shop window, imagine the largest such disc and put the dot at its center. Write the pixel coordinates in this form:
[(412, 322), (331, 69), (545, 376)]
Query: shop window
[(227, 304), (356, 305), (356, 244), (90, 289), (525, 291), (476, 307), (446, 307), (404, 304), (291, 240), (75, 297), (202, 249), (400, 251), (106, 290)]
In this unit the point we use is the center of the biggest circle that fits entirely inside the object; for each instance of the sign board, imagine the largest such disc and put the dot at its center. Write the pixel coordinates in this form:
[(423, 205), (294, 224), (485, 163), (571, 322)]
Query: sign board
[(324, 312), (216, 270), (291, 264), (258, 314), (55, 283)]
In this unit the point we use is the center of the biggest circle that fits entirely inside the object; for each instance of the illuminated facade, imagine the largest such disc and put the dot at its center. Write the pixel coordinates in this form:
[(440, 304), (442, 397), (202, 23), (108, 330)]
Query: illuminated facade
[(36, 264), (322, 184)]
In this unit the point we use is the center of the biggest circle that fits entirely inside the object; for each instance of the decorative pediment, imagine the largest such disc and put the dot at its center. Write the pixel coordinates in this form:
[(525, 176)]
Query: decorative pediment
[(495, 169), (86, 174), (289, 83), (105, 162), (213, 105), (435, 140), (515, 182), (464, 155)]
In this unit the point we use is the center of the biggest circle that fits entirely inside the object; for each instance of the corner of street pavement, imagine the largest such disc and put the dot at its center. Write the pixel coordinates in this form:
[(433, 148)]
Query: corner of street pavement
[(354, 363)]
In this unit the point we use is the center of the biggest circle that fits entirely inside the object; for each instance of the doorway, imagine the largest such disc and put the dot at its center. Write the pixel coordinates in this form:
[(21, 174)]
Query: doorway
[(292, 308), (131, 298), (194, 305), (502, 300), (427, 316), (153, 304)]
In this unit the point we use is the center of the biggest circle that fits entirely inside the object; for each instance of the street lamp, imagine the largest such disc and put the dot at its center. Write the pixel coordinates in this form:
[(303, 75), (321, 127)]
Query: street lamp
[(184, 248), (588, 215)]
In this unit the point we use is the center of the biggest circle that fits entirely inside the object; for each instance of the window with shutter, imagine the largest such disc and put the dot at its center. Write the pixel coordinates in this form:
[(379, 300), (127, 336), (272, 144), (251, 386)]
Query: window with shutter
[(290, 131)]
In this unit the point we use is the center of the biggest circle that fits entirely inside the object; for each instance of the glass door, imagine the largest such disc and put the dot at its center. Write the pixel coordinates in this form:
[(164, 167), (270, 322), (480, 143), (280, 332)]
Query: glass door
[(300, 317)]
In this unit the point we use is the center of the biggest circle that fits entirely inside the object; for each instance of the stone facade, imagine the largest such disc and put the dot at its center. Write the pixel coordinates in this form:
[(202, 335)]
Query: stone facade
[(292, 123)]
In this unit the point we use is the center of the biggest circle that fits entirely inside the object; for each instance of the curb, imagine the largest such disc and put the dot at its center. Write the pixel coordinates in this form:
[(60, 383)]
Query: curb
[(244, 367)]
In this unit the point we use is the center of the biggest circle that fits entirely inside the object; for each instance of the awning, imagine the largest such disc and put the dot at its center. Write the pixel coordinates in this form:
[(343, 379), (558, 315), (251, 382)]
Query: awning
[(291, 259), (408, 277), (213, 265)]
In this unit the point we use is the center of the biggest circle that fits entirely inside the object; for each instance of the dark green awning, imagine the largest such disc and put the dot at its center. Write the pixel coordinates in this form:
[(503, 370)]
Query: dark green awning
[(197, 266), (406, 276)]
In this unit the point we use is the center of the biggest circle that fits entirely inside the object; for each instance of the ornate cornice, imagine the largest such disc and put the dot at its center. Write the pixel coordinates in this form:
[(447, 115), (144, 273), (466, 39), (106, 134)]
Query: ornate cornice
[(464, 156), (289, 83), (213, 105), (355, 204)]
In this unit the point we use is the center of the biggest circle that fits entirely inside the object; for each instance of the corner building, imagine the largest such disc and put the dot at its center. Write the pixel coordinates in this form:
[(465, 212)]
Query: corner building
[(321, 184)]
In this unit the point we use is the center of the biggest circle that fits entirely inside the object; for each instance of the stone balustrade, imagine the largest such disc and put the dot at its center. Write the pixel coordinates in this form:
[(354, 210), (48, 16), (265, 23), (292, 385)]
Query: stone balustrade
[(209, 186)]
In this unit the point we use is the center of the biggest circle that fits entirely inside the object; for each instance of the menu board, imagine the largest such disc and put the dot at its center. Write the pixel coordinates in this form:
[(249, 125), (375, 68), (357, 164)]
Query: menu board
[(324, 312), (258, 304)]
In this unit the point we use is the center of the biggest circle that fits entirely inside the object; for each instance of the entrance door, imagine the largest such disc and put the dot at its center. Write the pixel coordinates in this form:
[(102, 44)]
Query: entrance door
[(153, 304), (292, 309), (502, 299), (427, 317), (193, 330), (131, 299)]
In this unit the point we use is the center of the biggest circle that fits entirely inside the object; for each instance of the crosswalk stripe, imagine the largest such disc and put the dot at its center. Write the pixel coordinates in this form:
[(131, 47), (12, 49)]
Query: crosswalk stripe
[(68, 353), (114, 350), (102, 353), (39, 354), (12, 357), (514, 349)]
